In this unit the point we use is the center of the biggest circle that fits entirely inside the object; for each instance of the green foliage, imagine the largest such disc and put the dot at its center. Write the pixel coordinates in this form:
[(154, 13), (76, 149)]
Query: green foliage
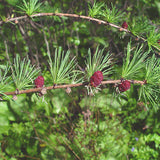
[(95, 10), (152, 38), (30, 7), (4, 69), (100, 9), (99, 138), (144, 151), (13, 2), (152, 75), (47, 8), (113, 15), (140, 26), (62, 68), (23, 73), (98, 62), (150, 92), (5, 80), (131, 67)]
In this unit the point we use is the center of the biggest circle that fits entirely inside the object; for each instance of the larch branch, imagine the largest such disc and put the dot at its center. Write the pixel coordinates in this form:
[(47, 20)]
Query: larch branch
[(33, 90)]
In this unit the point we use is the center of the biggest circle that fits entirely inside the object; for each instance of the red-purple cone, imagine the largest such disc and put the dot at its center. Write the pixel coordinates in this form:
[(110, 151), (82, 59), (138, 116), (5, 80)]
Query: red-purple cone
[(39, 82), (124, 86), (125, 25), (96, 79)]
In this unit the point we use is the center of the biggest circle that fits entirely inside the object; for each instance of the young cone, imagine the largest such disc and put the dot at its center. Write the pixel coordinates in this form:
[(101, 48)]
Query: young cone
[(39, 82), (96, 79), (125, 25), (124, 86)]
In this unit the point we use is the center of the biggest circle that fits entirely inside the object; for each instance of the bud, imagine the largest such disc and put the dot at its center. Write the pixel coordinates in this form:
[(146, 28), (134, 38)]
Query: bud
[(43, 91), (39, 82), (14, 97), (158, 41), (68, 90), (124, 86), (96, 79)]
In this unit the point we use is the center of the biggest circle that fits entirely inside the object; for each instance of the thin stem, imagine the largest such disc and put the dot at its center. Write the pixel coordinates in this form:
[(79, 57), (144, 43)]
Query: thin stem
[(66, 15), (7, 55), (47, 44), (16, 19), (32, 90)]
